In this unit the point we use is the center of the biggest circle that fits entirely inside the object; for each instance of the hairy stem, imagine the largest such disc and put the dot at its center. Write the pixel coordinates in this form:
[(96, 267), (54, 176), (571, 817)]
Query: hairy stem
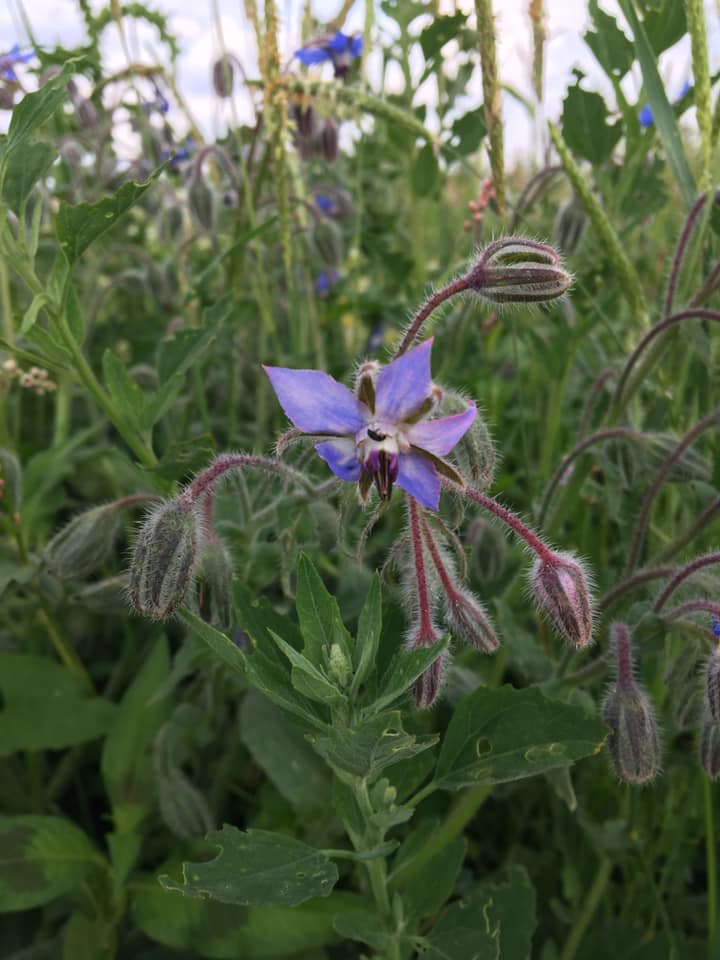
[(697, 564), (430, 305)]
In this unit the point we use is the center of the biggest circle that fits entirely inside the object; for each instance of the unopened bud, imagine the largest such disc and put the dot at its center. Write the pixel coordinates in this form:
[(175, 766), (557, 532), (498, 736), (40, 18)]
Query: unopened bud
[(163, 560), (427, 686), (560, 587), (105, 596), (86, 114), (475, 452), (202, 202), (468, 620), (215, 584), (329, 140), (710, 749), (712, 685), (517, 270), (84, 543), (339, 668), (634, 742), (327, 241), (223, 77)]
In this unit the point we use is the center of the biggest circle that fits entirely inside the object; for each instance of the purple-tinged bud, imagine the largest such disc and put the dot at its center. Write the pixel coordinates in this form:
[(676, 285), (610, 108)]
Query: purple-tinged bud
[(560, 587), (468, 620), (712, 684), (710, 749), (162, 565), (84, 543), (202, 202), (329, 140), (215, 584), (517, 270), (223, 77), (634, 743), (427, 686)]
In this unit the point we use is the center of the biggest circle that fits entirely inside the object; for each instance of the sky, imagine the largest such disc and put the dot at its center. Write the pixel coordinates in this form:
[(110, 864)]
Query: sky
[(193, 23)]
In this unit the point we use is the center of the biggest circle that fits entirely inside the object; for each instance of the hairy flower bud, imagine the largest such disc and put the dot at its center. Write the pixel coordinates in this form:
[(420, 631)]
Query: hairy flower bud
[(163, 560), (517, 270), (329, 140), (560, 587), (84, 543), (427, 686), (634, 742), (710, 749), (468, 620), (712, 685), (202, 202), (475, 453), (223, 77), (215, 584), (327, 241), (339, 667)]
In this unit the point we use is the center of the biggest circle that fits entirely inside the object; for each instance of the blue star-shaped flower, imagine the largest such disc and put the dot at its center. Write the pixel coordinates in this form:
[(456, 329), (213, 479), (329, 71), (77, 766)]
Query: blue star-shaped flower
[(340, 50), (382, 434)]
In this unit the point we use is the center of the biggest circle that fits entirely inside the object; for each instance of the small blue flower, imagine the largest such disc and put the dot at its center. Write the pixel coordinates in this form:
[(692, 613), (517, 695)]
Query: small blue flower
[(385, 437), (340, 50), (716, 627), (646, 115), (324, 202), (326, 279), (11, 59)]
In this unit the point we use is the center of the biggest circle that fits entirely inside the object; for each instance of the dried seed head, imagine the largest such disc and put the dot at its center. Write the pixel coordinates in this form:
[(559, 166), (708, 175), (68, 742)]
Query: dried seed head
[(710, 749), (517, 270), (712, 684), (162, 565), (84, 543), (223, 77), (468, 620), (634, 742), (560, 588)]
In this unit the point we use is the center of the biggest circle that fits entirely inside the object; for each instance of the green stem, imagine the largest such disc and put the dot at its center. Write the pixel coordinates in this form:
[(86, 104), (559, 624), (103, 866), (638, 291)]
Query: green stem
[(64, 650), (711, 869), (592, 901)]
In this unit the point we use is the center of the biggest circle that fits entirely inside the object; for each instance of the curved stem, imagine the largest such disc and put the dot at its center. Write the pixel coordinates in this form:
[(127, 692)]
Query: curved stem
[(699, 605), (591, 902), (699, 525), (597, 385), (507, 516), (641, 526), (599, 436), (698, 313), (697, 564), (679, 254), (711, 867), (431, 304), (233, 461), (642, 576)]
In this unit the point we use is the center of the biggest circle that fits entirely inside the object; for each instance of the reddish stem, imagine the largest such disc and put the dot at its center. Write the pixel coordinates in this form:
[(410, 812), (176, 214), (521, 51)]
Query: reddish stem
[(679, 254), (431, 304), (623, 655), (693, 606), (598, 383), (699, 525), (231, 461), (642, 576), (697, 564), (445, 578), (426, 625)]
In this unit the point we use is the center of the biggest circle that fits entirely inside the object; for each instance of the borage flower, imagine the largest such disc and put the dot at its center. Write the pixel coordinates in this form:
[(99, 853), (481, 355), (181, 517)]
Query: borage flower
[(381, 433), (340, 49), (11, 59)]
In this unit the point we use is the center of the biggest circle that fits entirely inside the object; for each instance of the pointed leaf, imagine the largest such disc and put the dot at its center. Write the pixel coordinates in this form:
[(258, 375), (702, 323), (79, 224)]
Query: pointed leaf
[(319, 615), (36, 108)]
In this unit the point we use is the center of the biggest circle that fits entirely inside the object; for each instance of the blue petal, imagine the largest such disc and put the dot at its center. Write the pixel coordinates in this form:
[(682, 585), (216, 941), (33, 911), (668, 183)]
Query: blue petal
[(646, 117), (440, 436), (356, 45), (315, 402), (341, 457), (312, 55), (404, 384), (339, 43), (418, 477), (323, 202)]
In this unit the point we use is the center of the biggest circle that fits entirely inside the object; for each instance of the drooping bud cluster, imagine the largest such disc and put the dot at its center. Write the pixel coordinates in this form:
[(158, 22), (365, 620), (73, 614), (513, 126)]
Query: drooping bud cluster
[(518, 270), (559, 584), (35, 378), (634, 743)]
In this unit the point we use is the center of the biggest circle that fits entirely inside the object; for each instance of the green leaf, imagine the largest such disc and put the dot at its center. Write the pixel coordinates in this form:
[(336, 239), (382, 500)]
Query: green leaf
[(126, 394), (470, 129), (279, 747), (257, 868), (368, 633), (306, 678), (218, 642), (506, 734), (41, 301), (179, 353), (41, 858), (366, 750), (364, 926), (405, 667), (126, 763), (585, 128), (430, 887), (663, 113), (222, 931), (88, 938), (513, 902), (664, 23), (441, 30), (24, 169), (319, 616), (47, 707), (612, 49), (425, 170), (36, 108), (79, 225)]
